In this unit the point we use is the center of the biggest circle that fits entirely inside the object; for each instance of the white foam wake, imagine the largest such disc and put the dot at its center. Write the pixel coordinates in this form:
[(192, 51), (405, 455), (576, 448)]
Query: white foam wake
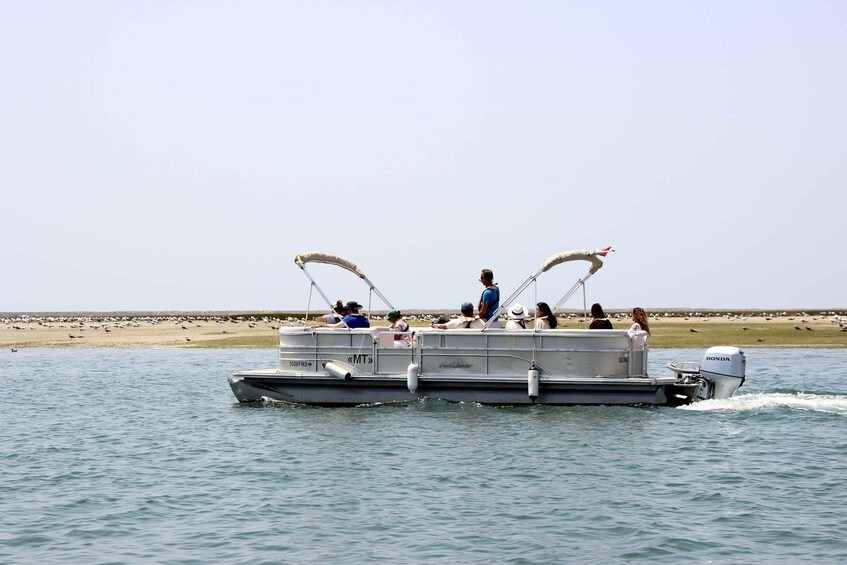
[(829, 403)]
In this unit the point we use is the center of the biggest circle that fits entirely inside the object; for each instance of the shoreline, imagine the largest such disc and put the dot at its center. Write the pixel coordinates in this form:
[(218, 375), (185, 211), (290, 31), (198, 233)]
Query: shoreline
[(671, 328), (673, 311)]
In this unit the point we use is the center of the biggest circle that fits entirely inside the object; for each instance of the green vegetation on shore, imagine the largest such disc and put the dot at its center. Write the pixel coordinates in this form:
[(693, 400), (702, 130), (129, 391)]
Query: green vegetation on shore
[(255, 341), (757, 334), (665, 335)]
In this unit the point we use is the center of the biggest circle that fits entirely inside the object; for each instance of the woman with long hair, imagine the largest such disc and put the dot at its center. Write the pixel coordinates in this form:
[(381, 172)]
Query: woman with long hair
[(335, 316), (639, 319), (544, 318), (599, 320)]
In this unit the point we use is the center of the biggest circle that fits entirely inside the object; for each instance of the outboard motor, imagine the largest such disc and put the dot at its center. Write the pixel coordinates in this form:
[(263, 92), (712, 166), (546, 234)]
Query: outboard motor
[(723, 368)]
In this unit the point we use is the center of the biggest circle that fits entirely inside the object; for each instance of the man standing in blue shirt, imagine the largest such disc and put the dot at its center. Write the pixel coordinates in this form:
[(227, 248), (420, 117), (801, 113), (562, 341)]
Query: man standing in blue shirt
[(490, 299)]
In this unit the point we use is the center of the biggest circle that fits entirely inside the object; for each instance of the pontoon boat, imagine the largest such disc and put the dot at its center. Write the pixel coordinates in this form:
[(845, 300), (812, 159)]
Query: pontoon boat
[(492, 366)]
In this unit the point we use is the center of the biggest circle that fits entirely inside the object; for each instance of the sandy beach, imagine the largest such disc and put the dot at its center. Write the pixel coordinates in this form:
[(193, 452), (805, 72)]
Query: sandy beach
[(138, 330)]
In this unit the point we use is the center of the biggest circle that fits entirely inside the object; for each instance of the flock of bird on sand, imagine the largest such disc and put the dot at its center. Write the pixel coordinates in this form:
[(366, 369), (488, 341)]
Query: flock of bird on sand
[(108, 323)]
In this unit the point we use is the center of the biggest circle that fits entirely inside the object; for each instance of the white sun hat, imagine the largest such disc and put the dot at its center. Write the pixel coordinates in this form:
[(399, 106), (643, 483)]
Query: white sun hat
[(517, 312)]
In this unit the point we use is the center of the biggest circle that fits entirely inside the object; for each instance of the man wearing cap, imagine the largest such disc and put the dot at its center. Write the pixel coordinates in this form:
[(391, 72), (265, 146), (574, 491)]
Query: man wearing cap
[(353, 319), (398, 326), (466, 321)]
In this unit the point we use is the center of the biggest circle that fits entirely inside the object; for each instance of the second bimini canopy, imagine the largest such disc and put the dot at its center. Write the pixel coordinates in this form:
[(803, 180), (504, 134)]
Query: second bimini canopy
[(329, 259), (580, 254), (592, 257)]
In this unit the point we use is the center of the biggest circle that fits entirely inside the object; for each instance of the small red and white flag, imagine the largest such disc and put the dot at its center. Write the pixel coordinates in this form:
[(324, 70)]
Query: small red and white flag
[(604, 251)]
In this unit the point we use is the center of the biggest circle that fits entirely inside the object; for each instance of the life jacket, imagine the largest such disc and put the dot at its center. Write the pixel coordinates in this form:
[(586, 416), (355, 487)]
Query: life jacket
[(496, 303), (398, 337)]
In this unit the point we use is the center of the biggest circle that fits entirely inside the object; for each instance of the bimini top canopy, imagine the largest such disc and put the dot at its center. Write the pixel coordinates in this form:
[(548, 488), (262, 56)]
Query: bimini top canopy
[(592, 257), (578, 254), (329, 259)]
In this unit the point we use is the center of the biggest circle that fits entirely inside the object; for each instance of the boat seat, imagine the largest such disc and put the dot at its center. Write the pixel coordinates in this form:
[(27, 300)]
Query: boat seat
[(382, 336), (384, 339)]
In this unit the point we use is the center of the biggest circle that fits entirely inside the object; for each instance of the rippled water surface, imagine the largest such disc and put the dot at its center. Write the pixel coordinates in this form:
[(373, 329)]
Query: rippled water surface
[(128, 456)]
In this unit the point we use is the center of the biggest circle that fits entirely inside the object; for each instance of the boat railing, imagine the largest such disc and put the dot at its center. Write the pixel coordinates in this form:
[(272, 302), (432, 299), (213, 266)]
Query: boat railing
[(555, 352), (465, 351), (311, 349)]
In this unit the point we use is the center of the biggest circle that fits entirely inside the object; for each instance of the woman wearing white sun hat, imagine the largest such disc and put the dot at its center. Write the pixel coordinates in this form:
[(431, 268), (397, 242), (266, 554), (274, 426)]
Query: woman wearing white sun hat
[(517, 318)]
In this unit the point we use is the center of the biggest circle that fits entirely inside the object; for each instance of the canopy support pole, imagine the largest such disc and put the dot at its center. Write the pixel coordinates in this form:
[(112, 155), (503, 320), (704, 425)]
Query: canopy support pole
[(505, 303), (570, 292), (315, 285), (378, 293), (535, 288), (308, 306)]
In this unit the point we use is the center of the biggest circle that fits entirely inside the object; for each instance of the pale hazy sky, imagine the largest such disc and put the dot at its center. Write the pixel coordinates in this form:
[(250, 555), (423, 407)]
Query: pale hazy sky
[(178, 155)]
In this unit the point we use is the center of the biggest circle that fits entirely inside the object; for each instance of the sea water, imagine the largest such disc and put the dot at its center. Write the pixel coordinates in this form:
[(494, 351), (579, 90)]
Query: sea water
[(144, 456)]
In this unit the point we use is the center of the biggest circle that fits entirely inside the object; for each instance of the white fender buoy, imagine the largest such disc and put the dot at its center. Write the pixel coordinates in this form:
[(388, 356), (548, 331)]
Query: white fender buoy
[(412, 377), (338, 371), (532, 382)]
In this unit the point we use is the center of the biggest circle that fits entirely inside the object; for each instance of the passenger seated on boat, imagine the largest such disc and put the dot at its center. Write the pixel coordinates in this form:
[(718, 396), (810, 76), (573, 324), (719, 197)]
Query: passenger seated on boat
[(398, 326), (353, 319), (338, 312), (517, 318), (639, 321), (599, 320), (544, 317), (466, 321)]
